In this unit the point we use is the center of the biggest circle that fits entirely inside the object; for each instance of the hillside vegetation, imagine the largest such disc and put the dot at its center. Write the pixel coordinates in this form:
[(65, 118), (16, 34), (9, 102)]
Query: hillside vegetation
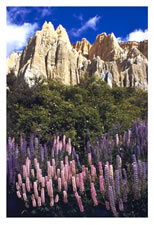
[(80, 112)]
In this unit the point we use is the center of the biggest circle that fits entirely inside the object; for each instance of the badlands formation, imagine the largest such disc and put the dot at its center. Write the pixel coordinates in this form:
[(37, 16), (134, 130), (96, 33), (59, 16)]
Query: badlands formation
[(49, 54)]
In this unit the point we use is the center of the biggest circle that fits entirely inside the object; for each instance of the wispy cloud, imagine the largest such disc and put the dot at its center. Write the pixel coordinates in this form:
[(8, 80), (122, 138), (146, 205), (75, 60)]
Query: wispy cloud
[(136, 35), (45, 11), (79, 17), (91, 23)]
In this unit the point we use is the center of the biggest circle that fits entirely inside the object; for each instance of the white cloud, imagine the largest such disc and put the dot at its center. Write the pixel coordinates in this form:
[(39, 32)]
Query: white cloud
[(18, 35), (91, 23), (136, 35)]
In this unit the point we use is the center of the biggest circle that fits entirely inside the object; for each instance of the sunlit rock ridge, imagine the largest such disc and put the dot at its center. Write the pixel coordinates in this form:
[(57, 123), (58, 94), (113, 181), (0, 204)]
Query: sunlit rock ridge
[(49, 54)]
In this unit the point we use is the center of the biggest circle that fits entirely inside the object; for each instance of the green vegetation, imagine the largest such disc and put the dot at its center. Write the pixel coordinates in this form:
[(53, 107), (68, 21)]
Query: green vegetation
[(81, 112)]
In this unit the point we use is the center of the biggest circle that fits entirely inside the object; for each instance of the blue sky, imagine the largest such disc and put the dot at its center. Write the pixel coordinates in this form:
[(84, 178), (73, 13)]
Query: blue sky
[(127, 23)]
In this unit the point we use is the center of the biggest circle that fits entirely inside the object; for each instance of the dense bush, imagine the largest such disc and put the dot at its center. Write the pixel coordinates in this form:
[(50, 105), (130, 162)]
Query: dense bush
[(81, 112)]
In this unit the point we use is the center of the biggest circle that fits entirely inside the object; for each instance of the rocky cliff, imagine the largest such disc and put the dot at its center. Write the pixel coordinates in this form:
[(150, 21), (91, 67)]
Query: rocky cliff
[(141, 46), (49, 54)]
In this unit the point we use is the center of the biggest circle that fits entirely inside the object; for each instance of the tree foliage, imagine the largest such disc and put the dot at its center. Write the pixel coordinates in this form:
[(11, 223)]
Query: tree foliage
[(81, 112)]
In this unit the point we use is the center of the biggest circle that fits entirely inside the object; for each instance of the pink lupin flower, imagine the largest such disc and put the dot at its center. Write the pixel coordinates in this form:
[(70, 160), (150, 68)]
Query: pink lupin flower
[(39, 201), (65, 186), (57, 198), (18, 194), (58, 173), (35, 189), (100, 168), (66, 160), (84, 175), (61, 165), (53, 162), (73, 167), (19, 179), (52, 153), (28, 165), (42, 195), (24, 171), (39, 175), (69, 146), (32, 173), (107, 205), (74, 184), (35, 163), (48, 164), (77, 181), (81, 182), (33, 202), (51, 202), (60, 145), (24, 196), (46, 179), (80, 204), (66, 172), (52, 171), (23, 188), (62, 177), (59, 184), (17, 186), (93, 172), (65, 197), (49, 171), (37, 166), (93, 194), (121, 206), (50, 188), (101, 184), (32, 197), (43, 182), (28, 184), (89, 159)]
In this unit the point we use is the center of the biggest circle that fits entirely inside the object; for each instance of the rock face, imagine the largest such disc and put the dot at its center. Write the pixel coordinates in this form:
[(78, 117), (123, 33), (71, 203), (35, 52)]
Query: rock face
[(13, 63), (141, 46), (83, 47), (49, 54)]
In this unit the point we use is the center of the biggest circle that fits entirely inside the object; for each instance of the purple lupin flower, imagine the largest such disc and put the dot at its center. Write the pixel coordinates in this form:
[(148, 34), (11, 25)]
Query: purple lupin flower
[(134, 158), (136, 188), (88, 146), (41, 153), (138, 151), (45, 151), (113, 129), (119, 130), (117, 182), (31, 143), (36, 143), (112, 202)]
